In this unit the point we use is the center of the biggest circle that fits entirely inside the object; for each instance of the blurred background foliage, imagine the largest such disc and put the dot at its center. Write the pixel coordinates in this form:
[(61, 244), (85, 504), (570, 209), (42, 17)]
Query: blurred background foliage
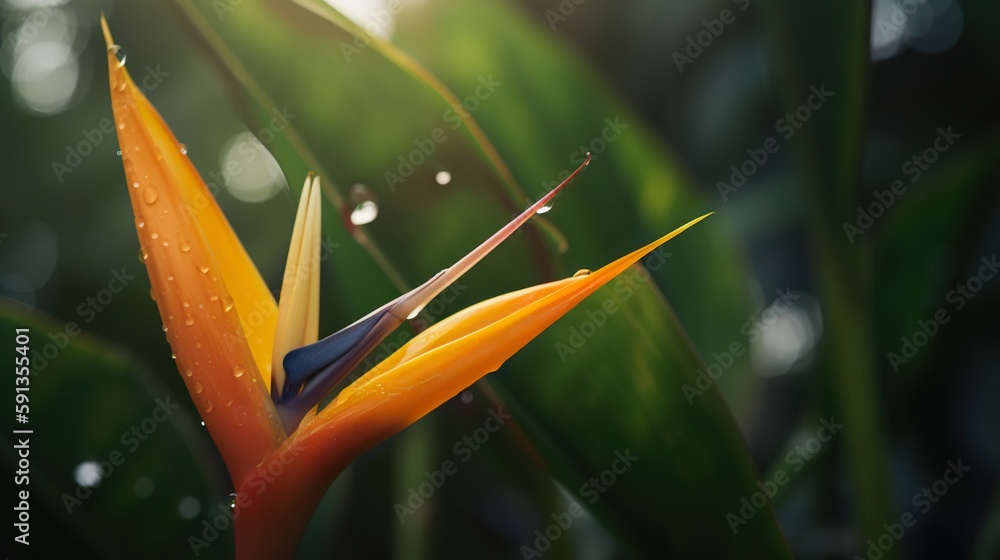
[(678, 100)]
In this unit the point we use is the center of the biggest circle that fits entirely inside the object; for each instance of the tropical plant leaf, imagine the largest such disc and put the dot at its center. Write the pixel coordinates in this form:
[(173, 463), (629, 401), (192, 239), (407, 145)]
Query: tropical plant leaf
[(154, 458)]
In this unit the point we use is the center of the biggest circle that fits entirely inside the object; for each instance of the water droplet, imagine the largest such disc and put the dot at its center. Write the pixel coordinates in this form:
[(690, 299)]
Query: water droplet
[(119, 53), (189, 320), (155, 235), (442, 178), (364, 213), (546, 207), (188, 372), (185, 246), (363, 201), (149, 195), (238, 371), (140, 222), (202, 422), (121, 86), (227, 304), (186, 304), (198, 388), (135, 185), (203, 268), (143, 254), (209, 406), (166, 243), (184, 149), (173, 356), (119, 152), (582, 272), (213, 297), (159, 154), (170, 278), (152, 294), (164, 328), (121, 126)]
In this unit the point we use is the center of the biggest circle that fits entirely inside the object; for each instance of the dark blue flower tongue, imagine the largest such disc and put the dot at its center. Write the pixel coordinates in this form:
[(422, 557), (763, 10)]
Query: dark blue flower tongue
[(313, 370)]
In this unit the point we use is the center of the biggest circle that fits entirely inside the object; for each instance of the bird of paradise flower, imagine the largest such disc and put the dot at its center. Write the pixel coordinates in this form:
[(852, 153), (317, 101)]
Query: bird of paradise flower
[(257, 378)]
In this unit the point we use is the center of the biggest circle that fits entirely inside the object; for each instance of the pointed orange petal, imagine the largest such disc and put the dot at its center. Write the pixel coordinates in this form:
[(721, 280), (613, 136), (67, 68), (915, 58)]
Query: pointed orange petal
[(448, 357), (191, 254), (254, 303)]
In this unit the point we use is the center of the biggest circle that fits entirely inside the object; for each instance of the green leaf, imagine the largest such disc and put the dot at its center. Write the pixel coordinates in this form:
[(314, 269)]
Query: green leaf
[(151, 452), (829, 145)]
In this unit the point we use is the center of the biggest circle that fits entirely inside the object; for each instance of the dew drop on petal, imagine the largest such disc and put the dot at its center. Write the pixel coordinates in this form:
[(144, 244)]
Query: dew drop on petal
[(227, 304), (140, 222), (238, 371), (155, 235), (198, 388), (185, 246), (189, 320), (184, 149), (119, 53), (203, 268), (209, 406), (170, 278), (164, 328), (149, 195), (582, 272), (188, 372), (545, 208)]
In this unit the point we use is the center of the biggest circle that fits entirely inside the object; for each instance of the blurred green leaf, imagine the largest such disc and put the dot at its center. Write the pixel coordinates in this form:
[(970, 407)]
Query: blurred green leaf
[(829, 145), (150, 460), (937, 215)]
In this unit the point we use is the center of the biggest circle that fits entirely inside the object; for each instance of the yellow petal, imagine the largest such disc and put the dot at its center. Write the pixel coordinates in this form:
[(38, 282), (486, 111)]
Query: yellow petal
[(196, 267), (448, 357), (298, 310)]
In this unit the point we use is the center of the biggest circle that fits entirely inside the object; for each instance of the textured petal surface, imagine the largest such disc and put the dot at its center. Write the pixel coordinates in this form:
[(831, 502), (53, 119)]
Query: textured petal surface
[(200, 277)]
